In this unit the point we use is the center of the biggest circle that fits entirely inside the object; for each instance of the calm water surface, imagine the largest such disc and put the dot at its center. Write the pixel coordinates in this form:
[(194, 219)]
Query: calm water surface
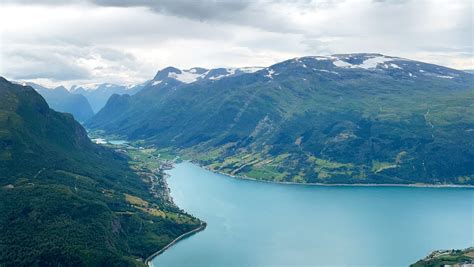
[(262, 224)]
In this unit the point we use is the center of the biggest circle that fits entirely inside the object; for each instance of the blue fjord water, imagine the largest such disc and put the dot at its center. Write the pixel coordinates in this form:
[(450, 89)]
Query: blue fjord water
[(263, 224)]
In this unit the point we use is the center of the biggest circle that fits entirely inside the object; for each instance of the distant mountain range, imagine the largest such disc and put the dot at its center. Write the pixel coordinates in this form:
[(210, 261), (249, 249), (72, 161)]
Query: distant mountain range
[(350, 118), (98, 94), (65, 201), (83, 101), (62, 100)]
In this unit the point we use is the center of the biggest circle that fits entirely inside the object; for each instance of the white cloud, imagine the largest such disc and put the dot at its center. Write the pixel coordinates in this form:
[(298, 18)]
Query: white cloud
[(127, 41)]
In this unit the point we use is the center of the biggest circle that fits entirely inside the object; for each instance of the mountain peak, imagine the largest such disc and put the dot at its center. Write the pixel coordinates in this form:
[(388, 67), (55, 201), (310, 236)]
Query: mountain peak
[(341, 64), (164, 73), (197, 70), (61, 88), (197, 74)]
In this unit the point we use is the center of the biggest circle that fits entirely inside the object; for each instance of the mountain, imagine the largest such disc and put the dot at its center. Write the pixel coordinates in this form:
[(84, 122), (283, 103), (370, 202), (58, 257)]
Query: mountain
[(68, 202), (168, 79), (62, 100), (98, 94), (199, 74), (349, 118)]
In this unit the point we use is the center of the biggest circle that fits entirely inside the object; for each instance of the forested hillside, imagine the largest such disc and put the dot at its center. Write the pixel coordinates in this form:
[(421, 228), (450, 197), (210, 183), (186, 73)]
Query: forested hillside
[(68, 202), (356, 118)]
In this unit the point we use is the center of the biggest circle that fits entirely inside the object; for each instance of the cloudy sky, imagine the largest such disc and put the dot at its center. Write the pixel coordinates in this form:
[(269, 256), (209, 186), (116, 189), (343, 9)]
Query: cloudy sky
[(126, 41)]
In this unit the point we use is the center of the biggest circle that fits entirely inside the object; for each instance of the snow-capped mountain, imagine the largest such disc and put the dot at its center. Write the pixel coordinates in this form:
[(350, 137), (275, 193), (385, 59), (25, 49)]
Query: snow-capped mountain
[(364, 118), (199, 74), (345, 65)]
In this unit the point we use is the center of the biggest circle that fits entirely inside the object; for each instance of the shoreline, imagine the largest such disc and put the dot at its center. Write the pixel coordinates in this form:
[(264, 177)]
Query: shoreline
[(420, 185), (239, 177), (174, 241)]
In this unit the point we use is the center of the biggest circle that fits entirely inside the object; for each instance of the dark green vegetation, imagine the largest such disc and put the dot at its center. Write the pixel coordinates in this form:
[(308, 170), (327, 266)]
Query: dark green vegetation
[(65, 201), (60, 99), (339, 119), (440, 258)]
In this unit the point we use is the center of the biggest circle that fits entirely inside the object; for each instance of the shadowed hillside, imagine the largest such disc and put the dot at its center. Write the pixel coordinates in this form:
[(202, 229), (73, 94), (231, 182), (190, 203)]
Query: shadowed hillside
[(68, 202)]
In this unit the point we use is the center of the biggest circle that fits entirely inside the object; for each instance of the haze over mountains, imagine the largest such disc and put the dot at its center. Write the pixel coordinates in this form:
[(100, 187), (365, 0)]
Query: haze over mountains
[(83, 101), (354, 118), (62, 100), (98, 94), (80, 101)]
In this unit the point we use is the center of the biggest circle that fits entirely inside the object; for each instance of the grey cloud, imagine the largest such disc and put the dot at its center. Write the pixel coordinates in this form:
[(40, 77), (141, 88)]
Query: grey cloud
[(131, 39), (395, 2), (41, 2), (114, 55), (32, 65), (202, 10), (243, 13), (63, 63), (250, 13), (199, 10)]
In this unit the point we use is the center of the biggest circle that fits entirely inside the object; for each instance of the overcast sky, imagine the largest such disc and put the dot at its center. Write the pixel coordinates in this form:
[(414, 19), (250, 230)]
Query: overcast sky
[(126, 41)]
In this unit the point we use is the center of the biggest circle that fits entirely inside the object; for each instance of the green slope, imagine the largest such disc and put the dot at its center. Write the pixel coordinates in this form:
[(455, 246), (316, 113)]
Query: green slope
[(313, 119), (68, 202)]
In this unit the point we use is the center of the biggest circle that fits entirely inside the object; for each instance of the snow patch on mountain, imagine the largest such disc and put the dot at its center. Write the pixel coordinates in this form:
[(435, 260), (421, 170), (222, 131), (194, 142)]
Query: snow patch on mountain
[(342, 64), (270, 73), (229, 72), (327, 71), (445, 76), (321, 58), (395, 66), (197, 74), (372, 63), (218, 77), (250, 69), (96, 86), (186, 76), (369, 62)]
